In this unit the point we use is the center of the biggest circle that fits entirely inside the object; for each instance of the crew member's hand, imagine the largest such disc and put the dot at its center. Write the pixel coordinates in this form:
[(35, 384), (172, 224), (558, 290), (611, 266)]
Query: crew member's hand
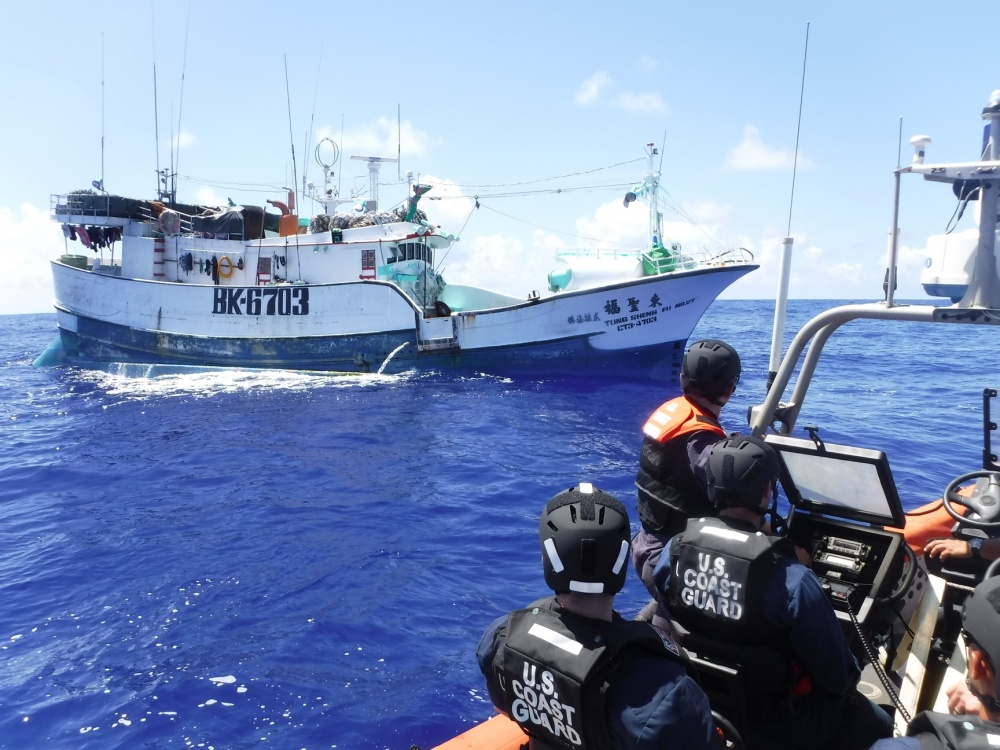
[(945, 548), (961, 701), (804, 556)]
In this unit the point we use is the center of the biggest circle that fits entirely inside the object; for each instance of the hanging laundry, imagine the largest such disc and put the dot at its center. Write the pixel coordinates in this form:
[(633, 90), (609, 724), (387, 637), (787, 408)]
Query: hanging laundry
[(66, 232), (96, 235), (84, 237), (215, 270)]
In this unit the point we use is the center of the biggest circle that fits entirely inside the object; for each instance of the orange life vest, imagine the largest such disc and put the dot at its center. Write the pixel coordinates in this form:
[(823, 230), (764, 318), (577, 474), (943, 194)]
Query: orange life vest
[(677, 417)]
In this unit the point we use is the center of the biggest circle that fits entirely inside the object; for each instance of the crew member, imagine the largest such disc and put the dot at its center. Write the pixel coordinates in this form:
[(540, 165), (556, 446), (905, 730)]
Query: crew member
[(971, 548), (725, 581), (677, 440), (568, 669), (974, 721)]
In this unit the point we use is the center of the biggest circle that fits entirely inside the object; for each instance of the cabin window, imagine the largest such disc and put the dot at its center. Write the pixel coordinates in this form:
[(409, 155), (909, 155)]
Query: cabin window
[(409, 251), (368, 260)]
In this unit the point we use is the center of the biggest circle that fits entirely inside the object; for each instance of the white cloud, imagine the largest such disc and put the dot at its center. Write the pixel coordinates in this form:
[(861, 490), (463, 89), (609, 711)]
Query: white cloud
[(31, 239), (591, 90), (613, 225), (382, 137), (501, 264), (207, 196), (706, 211), (184, 139), (648, 63), (595, 89), (633, 102), (445, 204), (616, 227), (752, 154)]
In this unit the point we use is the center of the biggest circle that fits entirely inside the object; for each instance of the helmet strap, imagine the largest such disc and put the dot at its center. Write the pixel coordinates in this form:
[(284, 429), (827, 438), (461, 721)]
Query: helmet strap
[(991, 704), (778, 524)]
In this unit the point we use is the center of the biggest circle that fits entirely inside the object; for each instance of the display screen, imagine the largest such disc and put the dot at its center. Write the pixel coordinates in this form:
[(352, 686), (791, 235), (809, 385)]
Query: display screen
[(838, 480)]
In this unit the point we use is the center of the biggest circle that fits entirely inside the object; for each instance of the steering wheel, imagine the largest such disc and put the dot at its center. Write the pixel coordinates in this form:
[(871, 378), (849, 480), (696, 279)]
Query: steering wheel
[(984, 500), (905, 580), (730, 737)]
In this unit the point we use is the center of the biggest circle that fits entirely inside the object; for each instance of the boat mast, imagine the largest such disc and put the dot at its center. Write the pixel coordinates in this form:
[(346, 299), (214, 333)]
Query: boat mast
[(102, 111), (652, 188), (984, 286)]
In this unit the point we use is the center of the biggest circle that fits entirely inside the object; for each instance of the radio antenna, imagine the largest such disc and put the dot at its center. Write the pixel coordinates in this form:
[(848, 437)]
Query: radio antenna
[(180, 109), (102, 111), (291, 138), (340, 177), (312, 119), (781, 300), (156, 106)]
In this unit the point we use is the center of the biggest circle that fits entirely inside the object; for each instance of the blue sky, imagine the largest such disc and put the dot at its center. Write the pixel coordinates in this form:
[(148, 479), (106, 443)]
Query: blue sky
[(497, 98)]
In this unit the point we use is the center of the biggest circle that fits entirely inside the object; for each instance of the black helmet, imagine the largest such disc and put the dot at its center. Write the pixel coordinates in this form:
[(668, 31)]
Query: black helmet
[(738, 471), (711, 368), (981, 622), (585, 536)]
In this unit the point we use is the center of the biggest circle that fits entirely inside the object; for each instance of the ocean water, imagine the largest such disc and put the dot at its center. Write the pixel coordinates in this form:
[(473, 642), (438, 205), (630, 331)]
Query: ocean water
[(235, 560)]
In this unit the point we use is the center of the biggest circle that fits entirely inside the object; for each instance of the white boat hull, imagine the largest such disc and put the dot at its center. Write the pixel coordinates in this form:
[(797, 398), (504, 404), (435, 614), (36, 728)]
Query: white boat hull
[(636, 328)]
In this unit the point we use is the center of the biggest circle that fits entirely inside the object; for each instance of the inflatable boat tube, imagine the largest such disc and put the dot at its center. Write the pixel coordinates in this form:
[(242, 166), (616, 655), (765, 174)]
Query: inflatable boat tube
[(930, 521), (496, 733)]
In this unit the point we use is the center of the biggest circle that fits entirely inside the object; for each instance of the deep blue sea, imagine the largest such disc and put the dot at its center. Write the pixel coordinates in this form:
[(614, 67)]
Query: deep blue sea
[(235, 560)]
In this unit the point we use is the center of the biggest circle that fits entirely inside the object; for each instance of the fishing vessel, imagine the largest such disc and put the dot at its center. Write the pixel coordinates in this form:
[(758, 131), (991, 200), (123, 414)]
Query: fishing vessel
[(159, 282), (843, 507)]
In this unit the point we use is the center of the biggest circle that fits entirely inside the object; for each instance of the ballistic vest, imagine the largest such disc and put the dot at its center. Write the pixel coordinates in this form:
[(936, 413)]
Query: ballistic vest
[(665, 480), (948, 732), (719, 571), (555, 670)]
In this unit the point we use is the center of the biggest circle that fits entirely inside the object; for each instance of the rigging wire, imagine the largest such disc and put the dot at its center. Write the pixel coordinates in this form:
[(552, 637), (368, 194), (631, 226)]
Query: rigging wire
[(249, 187), (546, 179), (521, 193), (798, 131), (555, 231)]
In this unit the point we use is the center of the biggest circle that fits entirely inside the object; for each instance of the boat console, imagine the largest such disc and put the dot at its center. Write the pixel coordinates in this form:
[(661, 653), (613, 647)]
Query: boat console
[(841, 501)]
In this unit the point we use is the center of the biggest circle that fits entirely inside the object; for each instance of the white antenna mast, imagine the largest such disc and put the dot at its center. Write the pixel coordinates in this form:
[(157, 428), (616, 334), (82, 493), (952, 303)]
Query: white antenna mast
[(781, 301), (329, 197), (374, 164)]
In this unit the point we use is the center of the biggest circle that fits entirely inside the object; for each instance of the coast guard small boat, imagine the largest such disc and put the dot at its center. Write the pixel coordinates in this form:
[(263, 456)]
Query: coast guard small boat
[(901, 612), (239, 286)]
